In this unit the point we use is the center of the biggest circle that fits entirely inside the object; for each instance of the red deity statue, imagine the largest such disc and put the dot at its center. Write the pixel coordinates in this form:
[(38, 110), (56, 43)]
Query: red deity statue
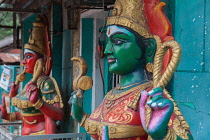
[(40, 102)]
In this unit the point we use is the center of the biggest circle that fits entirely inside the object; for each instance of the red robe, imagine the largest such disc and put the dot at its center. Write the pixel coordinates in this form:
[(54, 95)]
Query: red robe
[(123, 122)]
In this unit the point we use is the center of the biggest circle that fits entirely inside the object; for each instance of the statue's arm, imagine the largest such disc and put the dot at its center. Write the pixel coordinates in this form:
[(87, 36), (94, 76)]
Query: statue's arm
[(13, 89), (14, 116), (49, 105), (53, 103), (76, 103)]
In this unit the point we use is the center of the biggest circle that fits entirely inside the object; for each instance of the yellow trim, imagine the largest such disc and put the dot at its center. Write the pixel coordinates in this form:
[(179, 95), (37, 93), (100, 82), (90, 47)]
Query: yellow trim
[(38, 133), (115, 130), (47, 92), (38, 104), (34, 114), (21, 104), (44, 84), (111, 96), (56, 99), (84, 118), (120, 88), (171, 135), (33, 122), (130, 14), (58, 91), (41, 80), (143, 31), (35, 48)]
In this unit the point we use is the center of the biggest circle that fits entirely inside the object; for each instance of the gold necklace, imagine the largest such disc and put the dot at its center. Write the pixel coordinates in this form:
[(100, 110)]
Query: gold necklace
[(111, 96), (120, 88)]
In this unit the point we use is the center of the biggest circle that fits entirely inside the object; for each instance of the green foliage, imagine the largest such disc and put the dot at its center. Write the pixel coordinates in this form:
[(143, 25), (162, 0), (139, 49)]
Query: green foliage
[(6, 18)]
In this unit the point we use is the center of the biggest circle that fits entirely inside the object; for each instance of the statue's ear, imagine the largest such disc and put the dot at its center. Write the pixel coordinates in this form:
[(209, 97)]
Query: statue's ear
[(150, 51)]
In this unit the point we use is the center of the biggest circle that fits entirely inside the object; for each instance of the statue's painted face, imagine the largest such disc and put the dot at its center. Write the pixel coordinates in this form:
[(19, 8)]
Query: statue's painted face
[(122, 51), (30, 58)]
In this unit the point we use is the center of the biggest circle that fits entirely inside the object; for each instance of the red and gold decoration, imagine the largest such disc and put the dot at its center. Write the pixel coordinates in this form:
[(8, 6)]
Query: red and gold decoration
[(41, 98), (167, 56), (127, 111)]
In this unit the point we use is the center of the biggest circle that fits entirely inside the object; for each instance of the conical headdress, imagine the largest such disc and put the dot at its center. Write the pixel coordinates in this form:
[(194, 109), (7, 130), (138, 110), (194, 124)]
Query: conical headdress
[(131, 14), (36, 40), (39, 41)]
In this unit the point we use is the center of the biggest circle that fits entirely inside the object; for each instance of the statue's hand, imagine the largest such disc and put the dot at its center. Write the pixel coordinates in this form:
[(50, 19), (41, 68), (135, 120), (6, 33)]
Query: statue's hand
[(32, 92), (13, 90), (76, 103), (162, 110), (4, 114)]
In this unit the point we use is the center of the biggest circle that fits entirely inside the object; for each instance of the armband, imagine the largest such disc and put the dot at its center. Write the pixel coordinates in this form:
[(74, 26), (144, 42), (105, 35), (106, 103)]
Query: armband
[(38, 104)]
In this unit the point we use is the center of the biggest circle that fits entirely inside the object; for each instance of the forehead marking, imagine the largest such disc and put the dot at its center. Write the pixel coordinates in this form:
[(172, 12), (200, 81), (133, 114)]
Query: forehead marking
[(113, 29), (108, 32)]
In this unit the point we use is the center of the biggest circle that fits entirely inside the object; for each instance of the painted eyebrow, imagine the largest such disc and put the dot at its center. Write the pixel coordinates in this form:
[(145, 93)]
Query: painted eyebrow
[(117, 33), (28, 53)]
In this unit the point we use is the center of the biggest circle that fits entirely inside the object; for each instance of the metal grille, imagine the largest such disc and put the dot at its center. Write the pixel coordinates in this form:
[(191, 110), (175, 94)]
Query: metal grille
[(8, 130), (5, 134), (63, 136)]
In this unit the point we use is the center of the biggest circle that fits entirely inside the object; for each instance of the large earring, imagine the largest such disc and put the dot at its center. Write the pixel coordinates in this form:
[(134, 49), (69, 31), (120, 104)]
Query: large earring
[(149, 67)]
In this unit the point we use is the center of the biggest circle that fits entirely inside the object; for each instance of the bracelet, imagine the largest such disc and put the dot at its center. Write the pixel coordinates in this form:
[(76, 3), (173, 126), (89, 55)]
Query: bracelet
[(171, 135), (12, 117), (38, 104), (82, 124)]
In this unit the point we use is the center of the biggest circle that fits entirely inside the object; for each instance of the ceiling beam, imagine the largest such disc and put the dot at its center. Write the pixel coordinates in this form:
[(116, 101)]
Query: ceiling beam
[(16, 10), (8, 27)]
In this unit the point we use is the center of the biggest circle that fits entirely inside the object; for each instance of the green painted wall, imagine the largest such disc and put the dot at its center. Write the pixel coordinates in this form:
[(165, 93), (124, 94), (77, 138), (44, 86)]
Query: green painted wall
[(57, 42), (66, 61), (190, 87), (67, 80), (61, 70), (87, 54)]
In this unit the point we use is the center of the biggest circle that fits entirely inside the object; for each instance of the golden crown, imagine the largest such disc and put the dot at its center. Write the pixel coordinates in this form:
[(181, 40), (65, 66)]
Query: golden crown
[(130, 13), (36, 40)]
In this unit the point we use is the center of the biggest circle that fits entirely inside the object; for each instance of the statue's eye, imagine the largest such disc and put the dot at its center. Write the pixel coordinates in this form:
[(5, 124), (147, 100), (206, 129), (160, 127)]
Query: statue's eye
[(118, 41), (27, 56)]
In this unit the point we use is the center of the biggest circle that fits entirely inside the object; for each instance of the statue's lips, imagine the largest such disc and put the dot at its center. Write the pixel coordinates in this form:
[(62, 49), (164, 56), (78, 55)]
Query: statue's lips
[(111, 60)]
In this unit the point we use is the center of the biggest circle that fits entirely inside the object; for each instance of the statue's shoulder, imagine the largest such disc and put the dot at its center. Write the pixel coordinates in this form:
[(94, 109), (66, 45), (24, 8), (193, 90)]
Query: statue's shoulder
[(50, 90), (46, 84)]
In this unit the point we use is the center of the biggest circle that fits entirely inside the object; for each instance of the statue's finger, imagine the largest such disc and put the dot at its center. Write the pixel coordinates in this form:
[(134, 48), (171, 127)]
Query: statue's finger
[(156, 91), (164, 103), (154, 99), (158, 104)]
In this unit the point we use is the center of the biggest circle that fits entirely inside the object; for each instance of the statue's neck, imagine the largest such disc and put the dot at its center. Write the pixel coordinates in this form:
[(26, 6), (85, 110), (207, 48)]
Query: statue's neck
[(136, 76), (129, 81)]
